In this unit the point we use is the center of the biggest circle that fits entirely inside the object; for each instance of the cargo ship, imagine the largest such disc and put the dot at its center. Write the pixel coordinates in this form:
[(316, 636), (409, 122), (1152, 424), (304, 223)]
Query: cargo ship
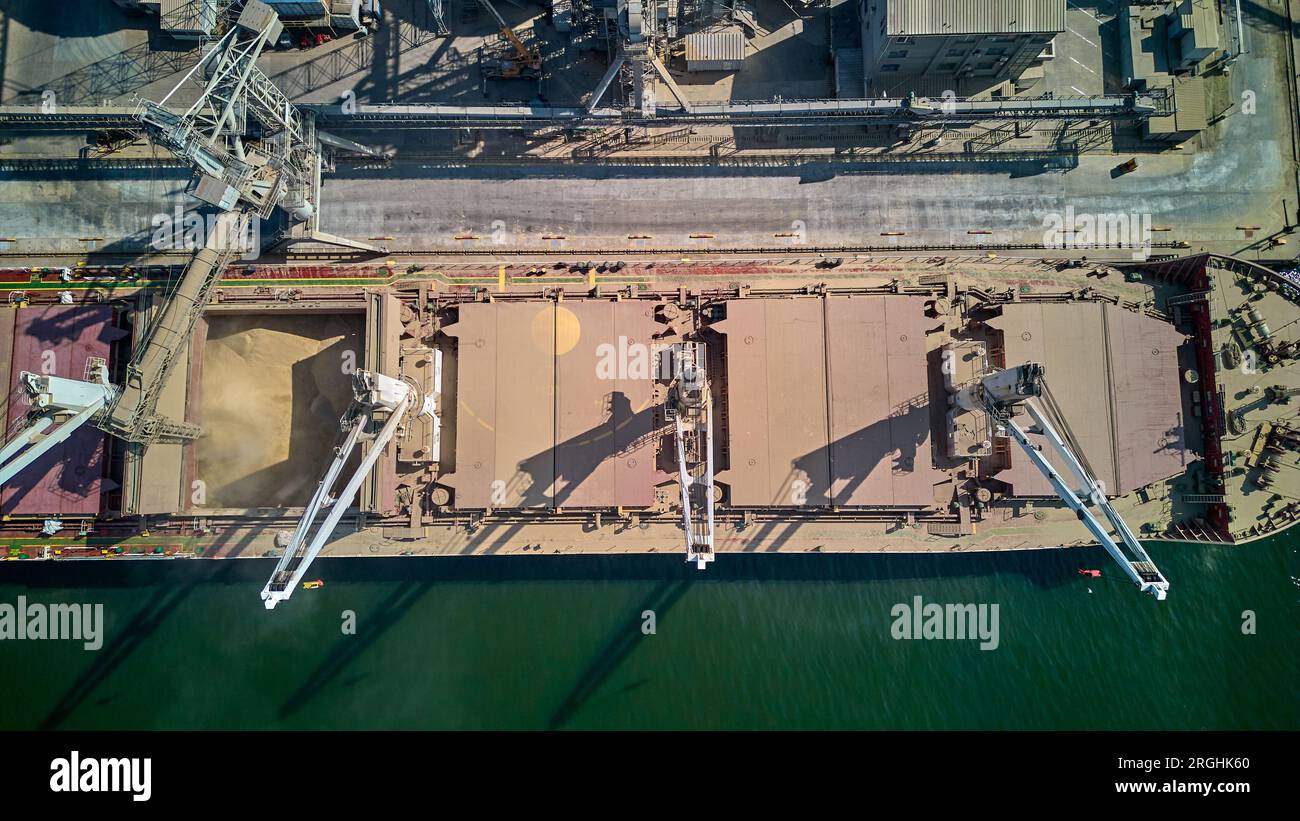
[(545, 406)]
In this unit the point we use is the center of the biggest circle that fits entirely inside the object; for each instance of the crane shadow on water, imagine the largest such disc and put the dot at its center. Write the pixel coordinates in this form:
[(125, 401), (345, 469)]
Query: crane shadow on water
[(180, 580), (622, 641), (413, 578), (347, 650), (139, 628), (672, 578)]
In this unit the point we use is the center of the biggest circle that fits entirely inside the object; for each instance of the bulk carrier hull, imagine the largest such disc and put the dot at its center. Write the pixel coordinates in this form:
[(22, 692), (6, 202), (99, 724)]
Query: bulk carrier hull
[(829, 381)]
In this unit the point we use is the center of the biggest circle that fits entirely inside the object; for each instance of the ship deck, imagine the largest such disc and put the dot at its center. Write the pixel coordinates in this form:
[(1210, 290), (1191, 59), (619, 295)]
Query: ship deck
[(828, 398)]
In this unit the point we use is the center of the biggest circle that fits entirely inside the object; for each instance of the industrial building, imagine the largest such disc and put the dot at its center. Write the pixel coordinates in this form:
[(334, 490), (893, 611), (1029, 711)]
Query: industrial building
[(1164, 39), (1165, 48), (958, 39), (721, 49)]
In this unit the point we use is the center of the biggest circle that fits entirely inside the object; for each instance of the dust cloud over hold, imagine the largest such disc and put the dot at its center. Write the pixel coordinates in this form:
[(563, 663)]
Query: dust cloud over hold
[(273, 389)]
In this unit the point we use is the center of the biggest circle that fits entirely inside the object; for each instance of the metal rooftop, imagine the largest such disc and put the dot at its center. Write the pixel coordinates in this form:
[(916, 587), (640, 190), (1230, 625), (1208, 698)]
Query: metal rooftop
[(924, 17)]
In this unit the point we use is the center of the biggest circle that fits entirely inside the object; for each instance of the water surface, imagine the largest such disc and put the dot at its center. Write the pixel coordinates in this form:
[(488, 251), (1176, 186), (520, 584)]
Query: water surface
[(756, 641)]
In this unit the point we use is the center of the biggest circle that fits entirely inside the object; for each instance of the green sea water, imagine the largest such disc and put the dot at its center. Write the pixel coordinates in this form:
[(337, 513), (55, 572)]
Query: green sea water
[(755, 641)]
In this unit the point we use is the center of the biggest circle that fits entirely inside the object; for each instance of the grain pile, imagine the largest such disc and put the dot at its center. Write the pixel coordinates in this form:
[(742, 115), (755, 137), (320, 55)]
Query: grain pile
[(273, 389)]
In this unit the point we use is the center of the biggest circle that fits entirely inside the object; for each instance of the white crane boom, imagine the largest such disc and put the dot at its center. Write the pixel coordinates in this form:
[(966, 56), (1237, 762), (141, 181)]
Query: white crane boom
[(1139, 568), (373, 393), (71, 402), (1000, 394), (691, 409)]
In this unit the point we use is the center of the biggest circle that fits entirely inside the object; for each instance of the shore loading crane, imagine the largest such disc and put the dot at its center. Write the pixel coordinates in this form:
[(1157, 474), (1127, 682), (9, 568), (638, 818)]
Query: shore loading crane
[(244, 179), (252, 151), (523, 63), (1001, 395), (374, 396), (637, 62)]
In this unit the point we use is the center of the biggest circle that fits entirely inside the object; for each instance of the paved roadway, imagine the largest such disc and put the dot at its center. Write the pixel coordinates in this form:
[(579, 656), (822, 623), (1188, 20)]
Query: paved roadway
[(1203, 196)]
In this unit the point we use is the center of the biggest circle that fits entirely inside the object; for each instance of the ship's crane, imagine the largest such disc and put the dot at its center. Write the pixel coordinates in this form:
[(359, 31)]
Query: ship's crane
[(1280, 394), (374, 395), (690, 407), (526, 64), (1001, 395), (69, 402)]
